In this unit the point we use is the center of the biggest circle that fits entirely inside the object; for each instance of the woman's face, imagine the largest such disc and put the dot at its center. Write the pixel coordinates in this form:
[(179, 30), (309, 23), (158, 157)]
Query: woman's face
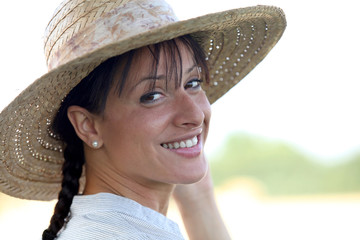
[(157, 134)]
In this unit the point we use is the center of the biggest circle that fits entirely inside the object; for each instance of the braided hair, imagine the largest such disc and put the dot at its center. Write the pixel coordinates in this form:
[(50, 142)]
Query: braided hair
[(91, 93)]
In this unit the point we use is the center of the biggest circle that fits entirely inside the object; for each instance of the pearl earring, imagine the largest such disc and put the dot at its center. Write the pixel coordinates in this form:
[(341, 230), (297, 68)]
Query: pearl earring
[(95, 144)]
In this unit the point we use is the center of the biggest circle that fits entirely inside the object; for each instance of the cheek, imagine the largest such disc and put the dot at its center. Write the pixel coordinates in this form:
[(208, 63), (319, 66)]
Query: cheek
[(208, 110), (205, 106), (140, 126), (125, 142)]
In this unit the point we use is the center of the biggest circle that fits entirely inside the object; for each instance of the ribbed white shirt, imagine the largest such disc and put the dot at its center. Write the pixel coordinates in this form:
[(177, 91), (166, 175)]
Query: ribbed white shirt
[(108, 216)]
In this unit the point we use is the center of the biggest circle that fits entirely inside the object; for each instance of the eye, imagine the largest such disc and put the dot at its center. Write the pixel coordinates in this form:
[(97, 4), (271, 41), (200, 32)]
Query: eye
[(193, 84), (150, 97)]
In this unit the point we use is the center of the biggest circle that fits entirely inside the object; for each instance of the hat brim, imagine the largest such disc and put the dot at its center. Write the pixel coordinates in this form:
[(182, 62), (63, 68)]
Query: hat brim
[(234, 41)]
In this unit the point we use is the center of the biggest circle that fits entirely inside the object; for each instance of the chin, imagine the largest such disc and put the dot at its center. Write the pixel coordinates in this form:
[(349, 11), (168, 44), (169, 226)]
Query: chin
[(194, 175)]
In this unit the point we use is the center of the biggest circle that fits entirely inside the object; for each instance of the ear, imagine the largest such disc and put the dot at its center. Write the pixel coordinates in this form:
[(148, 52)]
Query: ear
[(85, 125)]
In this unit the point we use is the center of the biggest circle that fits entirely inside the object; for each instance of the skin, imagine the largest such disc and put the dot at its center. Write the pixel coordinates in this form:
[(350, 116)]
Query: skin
[(131, 160)]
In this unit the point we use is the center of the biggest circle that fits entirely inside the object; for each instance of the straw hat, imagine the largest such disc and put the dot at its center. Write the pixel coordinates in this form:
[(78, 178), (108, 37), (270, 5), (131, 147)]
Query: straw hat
[(84, 33)]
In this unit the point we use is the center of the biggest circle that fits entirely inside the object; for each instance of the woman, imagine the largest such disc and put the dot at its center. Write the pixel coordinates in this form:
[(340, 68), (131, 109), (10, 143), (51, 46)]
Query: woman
[(124, 100)]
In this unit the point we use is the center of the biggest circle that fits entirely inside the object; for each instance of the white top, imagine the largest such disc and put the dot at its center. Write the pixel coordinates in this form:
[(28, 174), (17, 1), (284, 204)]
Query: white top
[(108, 216)]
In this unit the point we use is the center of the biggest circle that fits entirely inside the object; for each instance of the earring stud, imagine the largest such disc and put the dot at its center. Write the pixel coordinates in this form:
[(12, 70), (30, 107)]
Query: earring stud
[(95, 144)]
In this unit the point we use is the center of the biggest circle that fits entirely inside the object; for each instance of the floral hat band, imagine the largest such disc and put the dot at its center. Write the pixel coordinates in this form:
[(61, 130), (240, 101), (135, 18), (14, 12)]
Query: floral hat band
[(125, 21)]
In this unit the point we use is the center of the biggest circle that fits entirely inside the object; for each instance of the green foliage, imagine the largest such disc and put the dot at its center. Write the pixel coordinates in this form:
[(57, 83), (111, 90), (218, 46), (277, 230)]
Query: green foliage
[(281, 168)]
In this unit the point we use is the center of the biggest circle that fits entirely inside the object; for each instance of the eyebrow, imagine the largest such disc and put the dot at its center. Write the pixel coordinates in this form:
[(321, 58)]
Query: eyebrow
[(161, 77), (190, 69), (148, 78)]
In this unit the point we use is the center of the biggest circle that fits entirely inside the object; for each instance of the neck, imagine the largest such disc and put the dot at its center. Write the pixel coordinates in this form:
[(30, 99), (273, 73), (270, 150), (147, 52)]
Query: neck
[(153, 195)]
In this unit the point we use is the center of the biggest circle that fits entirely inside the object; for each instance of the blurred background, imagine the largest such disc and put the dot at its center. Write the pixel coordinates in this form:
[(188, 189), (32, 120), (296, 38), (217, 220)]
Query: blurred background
[(284, 144)]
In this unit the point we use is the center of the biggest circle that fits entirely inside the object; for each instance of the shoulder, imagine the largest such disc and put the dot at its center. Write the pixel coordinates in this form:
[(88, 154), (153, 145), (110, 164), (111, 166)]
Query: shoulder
[(105, 216), (100, 226)]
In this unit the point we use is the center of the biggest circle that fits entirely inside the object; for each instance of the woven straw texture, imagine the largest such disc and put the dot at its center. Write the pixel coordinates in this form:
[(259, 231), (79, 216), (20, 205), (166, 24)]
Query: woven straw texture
[(80, 36)]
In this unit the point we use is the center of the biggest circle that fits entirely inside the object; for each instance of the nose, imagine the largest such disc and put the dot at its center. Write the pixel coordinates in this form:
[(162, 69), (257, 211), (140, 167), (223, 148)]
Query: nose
[(190, 112)]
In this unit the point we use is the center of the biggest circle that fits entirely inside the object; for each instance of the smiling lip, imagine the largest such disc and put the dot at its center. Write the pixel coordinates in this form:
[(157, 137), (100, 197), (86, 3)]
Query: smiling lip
[(185, 148)]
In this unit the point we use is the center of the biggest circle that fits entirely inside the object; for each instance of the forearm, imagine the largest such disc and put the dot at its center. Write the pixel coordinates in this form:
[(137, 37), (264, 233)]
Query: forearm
[(202, 219), (199, 210)]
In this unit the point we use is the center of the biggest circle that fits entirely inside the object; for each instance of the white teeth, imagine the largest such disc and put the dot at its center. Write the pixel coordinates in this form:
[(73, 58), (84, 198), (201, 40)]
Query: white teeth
[(183, 144), (194, 140)]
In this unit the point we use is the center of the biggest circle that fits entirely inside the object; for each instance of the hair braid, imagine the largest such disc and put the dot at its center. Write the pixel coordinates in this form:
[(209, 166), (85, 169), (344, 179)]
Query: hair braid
[(72, 170), (89, 94)]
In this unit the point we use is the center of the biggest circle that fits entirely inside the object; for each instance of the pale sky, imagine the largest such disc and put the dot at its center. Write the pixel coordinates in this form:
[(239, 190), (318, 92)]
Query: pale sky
[(305, 92)]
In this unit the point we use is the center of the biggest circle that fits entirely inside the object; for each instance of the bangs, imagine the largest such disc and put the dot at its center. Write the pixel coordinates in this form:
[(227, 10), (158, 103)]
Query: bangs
[(170, 50)]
